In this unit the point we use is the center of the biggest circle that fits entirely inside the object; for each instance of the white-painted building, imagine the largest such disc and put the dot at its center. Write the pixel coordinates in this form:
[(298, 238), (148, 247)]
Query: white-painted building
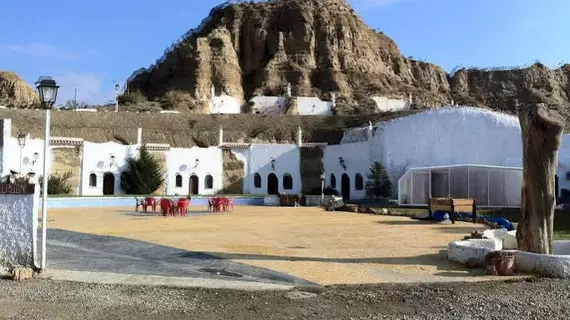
[(272, 168), (441, 137), (269, 105), (101, 167), (194, 171), (224, 104), (314, 106)]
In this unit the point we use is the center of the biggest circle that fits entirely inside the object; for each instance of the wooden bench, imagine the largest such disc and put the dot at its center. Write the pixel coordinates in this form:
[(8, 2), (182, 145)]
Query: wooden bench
[(452, 206)]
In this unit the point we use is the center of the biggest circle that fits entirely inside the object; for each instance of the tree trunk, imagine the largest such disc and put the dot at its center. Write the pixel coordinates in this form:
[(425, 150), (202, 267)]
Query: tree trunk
[(541, 136)]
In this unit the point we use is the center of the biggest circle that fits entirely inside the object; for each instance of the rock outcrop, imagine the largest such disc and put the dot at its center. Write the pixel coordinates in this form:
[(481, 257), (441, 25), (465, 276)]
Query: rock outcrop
[(15, 92), (323, 46)]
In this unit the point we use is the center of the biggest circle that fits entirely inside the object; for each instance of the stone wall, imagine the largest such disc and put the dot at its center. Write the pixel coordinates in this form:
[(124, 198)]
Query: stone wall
[(160, 156), (67, 160), (234, 173), (18, 225), (311, 167)]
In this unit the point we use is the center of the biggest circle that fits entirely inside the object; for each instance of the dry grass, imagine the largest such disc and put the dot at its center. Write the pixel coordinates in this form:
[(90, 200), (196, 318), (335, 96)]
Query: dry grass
[(175, 130), (326, 248)]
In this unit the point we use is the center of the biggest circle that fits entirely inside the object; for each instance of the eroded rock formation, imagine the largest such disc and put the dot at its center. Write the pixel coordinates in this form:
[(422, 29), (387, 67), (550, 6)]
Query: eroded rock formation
[(323, 46)]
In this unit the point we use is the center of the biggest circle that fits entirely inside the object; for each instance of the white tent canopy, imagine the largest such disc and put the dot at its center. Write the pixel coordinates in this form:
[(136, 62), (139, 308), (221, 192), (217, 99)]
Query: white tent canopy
[(490, 186)]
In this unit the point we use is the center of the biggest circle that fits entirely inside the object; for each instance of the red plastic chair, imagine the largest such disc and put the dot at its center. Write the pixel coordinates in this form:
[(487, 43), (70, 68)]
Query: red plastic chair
[(217, 204), (210, 204), (231, 202), (165, 206), (183, 205), (149, 202)]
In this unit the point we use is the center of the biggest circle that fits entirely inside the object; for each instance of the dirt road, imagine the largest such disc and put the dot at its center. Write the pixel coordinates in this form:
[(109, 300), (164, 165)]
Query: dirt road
[(530, 299)]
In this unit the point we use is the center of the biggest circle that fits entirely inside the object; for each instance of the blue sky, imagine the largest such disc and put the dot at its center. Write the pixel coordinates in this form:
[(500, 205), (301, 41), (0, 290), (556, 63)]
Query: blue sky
[(90, 44)]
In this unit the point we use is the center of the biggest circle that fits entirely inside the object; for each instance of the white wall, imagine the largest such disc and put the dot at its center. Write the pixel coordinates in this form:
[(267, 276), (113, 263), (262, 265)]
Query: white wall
[(447, 136), (564, 163), (287, 160), (225, 104), (313, 106), (356, 157), (18, 229), (96, 160), (183, 161), (269, 105), (385, 104), (11, 156)]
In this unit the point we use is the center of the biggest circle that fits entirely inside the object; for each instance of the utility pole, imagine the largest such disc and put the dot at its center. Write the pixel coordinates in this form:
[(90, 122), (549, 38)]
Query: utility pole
[(117, 90), (75, 99)]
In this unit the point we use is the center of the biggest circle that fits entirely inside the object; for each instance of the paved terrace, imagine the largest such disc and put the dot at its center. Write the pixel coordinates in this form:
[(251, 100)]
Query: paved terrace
[(278, 245)]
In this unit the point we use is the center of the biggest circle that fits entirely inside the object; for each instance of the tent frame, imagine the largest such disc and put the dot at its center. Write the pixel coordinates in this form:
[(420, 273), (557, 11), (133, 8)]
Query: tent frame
[(409, 173)]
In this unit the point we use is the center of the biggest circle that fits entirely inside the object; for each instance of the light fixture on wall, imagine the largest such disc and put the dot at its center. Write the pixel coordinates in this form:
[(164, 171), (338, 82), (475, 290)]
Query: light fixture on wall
[(111, 161), (342, 163), (35, 158), (197, 162), (21, 143), (273, 164)]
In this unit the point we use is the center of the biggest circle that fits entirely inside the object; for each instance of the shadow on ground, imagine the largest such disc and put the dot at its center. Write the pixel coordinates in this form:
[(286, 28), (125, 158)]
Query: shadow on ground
[(68, 250)]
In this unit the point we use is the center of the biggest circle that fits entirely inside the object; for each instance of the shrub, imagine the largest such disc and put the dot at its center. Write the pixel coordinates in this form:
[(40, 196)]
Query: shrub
[(177, 100), (132, 98), (143, 175), (330, 191), (378, 184), (58, 184)]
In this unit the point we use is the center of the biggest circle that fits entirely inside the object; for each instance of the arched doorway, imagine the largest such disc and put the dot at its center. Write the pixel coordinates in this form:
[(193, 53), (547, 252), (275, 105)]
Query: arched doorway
[(272, 184), (345, 187), (194, 184), (108, 184)]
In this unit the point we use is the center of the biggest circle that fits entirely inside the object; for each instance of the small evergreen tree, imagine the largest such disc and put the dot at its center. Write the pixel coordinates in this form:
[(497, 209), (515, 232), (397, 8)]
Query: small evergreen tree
[(143, 175), (378, 184)]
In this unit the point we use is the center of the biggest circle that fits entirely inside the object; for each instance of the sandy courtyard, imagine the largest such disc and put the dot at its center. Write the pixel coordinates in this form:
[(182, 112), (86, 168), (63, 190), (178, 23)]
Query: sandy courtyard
[(321, 247)]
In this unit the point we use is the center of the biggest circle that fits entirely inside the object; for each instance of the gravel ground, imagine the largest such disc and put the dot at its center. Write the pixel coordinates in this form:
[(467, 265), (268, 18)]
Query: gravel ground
[(529, 299)]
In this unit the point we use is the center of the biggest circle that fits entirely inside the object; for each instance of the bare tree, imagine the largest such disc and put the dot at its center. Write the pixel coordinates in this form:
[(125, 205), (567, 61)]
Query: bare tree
[(541, 136)]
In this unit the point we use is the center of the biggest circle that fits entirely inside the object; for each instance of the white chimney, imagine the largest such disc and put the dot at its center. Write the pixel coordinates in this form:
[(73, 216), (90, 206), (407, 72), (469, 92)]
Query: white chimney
[(333, 96), (221, 136), (139, 136), (299, 137), (213, 91)]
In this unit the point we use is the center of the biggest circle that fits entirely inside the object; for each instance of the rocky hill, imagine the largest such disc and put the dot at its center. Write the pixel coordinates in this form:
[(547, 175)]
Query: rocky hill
[(323, 46), (15, 92)]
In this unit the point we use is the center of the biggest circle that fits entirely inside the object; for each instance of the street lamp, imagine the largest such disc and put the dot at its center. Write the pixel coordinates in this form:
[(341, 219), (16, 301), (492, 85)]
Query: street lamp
[(47, 89), (273, 164), (323, 186), (197, 161), (22, 144)]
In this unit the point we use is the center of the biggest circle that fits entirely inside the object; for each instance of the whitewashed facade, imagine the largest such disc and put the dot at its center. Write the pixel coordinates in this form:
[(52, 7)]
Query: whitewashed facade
[(440, 137), (194, 171)]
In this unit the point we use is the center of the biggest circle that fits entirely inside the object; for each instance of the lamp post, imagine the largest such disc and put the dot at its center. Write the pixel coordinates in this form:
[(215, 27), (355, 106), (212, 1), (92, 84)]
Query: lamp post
[(21, 144), (322, 187), (47, 89), (273, 164), (117, 88)]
